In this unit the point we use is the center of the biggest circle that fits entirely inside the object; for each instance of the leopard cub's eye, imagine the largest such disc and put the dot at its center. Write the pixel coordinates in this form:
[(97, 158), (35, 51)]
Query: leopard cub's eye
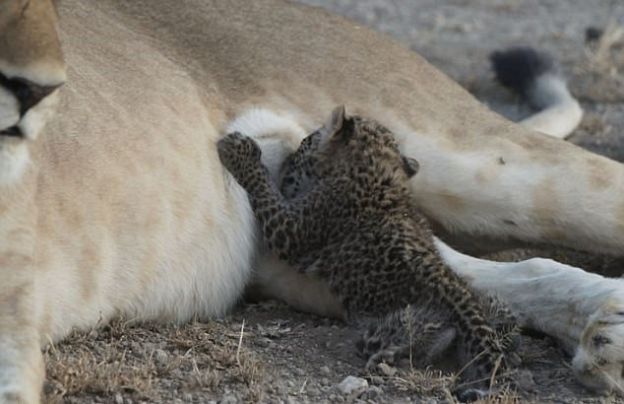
[(600, 340)]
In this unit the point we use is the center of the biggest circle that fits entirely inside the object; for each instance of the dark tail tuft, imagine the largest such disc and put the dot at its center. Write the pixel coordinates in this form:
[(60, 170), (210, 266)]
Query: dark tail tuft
[(518, 68)]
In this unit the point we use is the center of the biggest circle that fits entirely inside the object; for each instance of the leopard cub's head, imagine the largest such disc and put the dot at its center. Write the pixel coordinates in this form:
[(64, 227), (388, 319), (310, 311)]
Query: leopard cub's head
[(349, 147), (362, 149)]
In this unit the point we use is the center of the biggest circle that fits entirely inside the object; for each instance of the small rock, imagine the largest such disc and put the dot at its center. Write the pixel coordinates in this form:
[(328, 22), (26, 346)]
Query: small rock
[(386, 369), (312, 391), (119, 399), (136, 347), (228, 399), (352, 385), (187, 397), (325, 370), (377, 380), (325, 381), (264, 342), (161, 357), (372, 393), (525, 381), (299, 372), (593, 34)]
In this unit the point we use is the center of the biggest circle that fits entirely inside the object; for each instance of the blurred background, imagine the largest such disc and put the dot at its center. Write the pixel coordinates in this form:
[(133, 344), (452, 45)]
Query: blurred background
[(586, 37)]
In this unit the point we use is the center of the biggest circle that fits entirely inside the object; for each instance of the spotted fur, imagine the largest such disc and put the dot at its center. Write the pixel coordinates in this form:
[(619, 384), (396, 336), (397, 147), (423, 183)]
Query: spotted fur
[(344, 214)]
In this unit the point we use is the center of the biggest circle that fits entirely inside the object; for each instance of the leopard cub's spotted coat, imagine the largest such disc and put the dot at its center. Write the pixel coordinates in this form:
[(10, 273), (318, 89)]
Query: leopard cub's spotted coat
[(344, 214)]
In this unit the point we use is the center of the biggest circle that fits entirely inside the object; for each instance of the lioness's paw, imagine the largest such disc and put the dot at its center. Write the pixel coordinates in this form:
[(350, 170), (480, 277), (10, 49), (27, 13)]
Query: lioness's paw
[(238, 153)]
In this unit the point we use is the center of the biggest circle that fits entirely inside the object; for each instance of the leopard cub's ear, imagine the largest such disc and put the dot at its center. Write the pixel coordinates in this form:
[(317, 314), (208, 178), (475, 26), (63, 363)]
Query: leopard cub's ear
[(337, 119), (410, 166), (337, 124)]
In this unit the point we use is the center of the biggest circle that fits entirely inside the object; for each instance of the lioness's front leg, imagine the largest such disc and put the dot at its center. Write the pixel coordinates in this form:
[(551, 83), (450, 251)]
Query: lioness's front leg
[(21, 363)]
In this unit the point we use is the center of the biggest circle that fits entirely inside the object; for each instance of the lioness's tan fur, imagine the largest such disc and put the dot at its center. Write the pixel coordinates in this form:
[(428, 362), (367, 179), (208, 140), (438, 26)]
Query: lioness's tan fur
[(121, 206)]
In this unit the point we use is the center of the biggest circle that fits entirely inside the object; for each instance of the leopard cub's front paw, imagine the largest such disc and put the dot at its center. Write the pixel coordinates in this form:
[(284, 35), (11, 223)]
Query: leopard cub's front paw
[(238, 153)]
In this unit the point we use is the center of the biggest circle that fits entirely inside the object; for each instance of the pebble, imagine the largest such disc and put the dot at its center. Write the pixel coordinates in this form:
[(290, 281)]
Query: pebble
[(228, 399), (325, 370), (161, 357), (377, 380), (312, 391), (525, 381), (264, 342), (386, 369), (352, 384), (119, 399), (373, 393)]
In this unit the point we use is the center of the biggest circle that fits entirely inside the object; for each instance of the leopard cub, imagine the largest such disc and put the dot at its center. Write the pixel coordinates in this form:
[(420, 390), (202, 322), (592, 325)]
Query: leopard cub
[(343, 212)]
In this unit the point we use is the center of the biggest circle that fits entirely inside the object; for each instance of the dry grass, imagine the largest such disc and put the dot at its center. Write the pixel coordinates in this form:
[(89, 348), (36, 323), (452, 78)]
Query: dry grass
[(505, 396), (426, 383), (103, 373), (599, 77), (267, 360), (151, 363), (602, 55), (433, 383)]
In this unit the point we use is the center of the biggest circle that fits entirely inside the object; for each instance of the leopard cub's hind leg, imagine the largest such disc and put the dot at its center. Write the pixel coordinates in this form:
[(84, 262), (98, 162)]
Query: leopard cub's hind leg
[(417, 333), (425, 335)]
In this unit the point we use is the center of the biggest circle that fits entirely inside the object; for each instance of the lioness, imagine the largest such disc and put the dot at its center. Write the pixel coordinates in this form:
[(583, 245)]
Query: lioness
[(120, 206)]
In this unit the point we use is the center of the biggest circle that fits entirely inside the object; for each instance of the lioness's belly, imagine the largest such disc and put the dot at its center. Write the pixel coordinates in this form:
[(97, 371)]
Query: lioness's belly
[(136, 215)]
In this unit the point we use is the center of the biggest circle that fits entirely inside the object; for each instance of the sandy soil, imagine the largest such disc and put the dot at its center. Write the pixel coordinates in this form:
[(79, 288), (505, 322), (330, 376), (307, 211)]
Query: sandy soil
[(269, 353)]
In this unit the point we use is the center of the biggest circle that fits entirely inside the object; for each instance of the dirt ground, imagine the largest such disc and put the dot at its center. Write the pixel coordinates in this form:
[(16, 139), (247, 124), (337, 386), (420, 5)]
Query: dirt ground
[(268, 353)]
